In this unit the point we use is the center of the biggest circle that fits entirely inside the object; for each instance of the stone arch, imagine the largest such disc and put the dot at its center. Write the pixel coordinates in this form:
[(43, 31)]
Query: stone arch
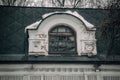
[(62, 40)]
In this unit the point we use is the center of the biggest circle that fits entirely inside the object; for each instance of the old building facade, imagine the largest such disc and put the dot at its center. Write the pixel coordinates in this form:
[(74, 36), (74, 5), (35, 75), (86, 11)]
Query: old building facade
[(54, 44)]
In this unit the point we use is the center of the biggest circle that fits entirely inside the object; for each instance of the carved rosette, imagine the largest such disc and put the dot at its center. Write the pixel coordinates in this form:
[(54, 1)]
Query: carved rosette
[(89, 47)]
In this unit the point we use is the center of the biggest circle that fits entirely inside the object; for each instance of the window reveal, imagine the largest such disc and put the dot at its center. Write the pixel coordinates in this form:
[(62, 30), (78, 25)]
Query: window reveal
[(62, 40)]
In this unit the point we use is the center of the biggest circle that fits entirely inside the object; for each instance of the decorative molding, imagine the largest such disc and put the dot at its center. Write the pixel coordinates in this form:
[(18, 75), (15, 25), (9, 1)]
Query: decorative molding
[(39, 36)]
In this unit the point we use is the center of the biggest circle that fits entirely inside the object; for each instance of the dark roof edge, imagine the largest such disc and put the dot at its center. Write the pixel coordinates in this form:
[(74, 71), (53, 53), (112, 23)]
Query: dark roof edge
[(54, 7)]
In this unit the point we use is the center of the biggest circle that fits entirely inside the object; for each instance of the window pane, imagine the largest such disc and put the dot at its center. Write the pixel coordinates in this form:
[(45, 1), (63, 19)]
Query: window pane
[(55, 30), (71, 38), (62, 38), (61, 29), (68, 30), (61, 44), (53, 38)]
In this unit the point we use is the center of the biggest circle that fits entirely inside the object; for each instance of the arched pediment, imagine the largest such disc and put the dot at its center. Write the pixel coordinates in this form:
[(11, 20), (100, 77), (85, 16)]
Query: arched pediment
[(72, 15), (39, 33)]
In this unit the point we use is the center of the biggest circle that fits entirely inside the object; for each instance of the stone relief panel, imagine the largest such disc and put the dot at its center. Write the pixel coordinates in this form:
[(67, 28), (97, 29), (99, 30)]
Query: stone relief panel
[(39, 44), (88, 47)]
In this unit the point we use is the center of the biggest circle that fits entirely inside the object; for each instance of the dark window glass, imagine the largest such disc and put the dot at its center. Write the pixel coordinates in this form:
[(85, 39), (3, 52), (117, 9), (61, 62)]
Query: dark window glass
[(62, 40)]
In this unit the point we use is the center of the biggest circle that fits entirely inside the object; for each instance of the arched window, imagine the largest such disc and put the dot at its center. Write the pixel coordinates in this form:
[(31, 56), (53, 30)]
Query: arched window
[(62, 41)]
